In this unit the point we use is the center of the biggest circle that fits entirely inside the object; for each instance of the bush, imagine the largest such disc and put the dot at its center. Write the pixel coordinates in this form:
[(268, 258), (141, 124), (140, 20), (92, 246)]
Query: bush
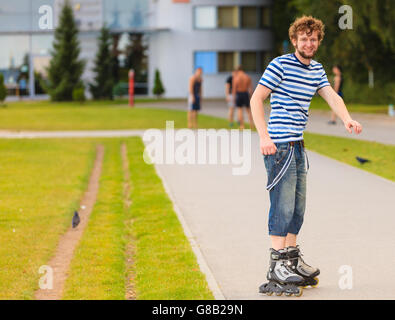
[(361, 93), (3, 89), (79, 95), (120, 89), (158, 86)]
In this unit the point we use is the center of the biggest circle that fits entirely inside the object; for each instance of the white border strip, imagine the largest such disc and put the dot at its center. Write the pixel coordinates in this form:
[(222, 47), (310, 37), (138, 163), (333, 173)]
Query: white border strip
[(212, 283)]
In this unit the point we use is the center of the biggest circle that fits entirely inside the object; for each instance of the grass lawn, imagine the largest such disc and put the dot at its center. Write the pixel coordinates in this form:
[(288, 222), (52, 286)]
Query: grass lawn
[(93, 116), (97, 270), (382, 156), (41, 184), (42, 193), (317, 103), (164, 266)]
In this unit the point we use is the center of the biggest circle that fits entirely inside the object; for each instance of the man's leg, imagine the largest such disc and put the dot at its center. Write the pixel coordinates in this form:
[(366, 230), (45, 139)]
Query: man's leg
[(300, 196), (278, 242), (194, 117), (282, 197), (240, 117), (231, 114), (189, 117), (290, 240)]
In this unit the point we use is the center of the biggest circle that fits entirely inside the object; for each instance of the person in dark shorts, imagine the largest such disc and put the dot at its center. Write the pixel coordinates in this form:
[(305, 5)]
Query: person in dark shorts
[(242, 90), (195, 97), (229, 98), (338, 87)]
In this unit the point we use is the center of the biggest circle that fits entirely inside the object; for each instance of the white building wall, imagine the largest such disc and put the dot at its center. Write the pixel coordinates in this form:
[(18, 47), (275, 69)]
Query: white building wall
[(172, 51)]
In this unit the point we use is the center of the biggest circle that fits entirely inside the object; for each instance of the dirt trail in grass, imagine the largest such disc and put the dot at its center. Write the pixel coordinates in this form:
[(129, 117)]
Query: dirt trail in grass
[(60, 263), (130, 292)]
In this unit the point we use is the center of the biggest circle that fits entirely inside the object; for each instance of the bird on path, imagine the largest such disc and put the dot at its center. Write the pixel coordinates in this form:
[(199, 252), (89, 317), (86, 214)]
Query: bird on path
[(362, 160), (76, 219)]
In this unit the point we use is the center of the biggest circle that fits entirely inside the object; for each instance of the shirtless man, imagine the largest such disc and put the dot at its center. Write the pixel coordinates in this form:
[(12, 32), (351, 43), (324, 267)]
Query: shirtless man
[(241, 91)]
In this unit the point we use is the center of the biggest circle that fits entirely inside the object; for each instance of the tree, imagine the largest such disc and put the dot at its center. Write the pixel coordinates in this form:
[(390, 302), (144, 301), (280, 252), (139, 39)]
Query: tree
[(136, 57), (368, 46), (283, 14), (3, 89), (158, 86), (65, 68), (103, 82)]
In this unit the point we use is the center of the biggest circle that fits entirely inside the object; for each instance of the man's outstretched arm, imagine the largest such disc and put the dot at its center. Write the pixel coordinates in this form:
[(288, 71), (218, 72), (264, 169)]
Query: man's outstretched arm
[(337, 105)]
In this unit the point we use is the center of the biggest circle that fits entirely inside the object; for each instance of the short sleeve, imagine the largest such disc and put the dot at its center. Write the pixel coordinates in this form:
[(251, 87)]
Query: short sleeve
[(323, 81), (273, 74)]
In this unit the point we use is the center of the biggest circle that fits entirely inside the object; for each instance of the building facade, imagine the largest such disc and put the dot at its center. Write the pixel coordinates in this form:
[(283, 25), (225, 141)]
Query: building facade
[(217, 35), (180, 35)]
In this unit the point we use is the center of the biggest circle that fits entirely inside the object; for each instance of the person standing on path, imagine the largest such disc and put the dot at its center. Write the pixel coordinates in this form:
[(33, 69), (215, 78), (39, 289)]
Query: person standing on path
[(338, 87), (291, 80), (195, 98), (241, 91), (229, 97)]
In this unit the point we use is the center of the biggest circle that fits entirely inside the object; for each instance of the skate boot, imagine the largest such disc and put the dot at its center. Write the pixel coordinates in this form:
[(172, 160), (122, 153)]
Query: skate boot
[(301, 268), (281, 278)]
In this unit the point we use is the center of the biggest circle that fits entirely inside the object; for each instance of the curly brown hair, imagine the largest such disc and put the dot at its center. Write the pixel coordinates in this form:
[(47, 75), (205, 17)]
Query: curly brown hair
[(306, 24)]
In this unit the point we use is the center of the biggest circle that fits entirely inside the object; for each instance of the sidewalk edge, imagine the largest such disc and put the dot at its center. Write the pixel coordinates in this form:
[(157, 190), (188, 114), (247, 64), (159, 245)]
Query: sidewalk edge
[(212, 283)]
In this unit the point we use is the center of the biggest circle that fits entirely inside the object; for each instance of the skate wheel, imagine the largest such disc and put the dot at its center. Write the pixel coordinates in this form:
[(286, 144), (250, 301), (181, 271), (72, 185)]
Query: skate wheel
[(316, 284), (300, 292), (279, 294), (288, 294), (269, 293)]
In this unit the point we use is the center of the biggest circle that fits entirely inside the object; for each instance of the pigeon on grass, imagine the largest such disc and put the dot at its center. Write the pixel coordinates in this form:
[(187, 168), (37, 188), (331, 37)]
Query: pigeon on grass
[(76, 219), (362, 160)]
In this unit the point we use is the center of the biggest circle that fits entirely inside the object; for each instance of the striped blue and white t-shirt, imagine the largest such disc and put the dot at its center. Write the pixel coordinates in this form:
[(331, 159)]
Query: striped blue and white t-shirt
[(293, 85)]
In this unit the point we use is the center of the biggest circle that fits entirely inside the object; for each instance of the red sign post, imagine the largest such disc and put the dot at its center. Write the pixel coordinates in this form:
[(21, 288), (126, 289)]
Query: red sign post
[(131, 88)]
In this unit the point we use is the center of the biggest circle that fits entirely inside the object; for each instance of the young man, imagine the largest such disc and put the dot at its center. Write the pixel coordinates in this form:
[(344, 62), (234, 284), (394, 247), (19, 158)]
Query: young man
[(195, 97), (229, 97), (241, 91), (292, 80)]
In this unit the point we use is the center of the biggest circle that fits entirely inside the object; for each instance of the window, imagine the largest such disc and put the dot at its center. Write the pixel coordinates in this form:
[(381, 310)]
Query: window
[(265, 17), (249, 17), (228, 17), (227, 61), (206, 60), (249, 61), (205, 17), (214, 62), (265, 59)]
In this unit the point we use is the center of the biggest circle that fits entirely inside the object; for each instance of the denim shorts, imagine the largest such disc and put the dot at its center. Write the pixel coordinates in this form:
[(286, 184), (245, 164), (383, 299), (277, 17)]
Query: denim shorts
[(288, 196)]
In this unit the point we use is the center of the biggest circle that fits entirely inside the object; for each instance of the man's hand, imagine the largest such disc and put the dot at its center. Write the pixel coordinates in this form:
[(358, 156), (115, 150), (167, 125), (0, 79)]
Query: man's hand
[(349, 124), (267, 146)]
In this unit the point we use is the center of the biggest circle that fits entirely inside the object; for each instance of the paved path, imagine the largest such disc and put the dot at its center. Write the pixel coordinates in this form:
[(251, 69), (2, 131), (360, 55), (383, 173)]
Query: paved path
[(376, 127), (349, 222)]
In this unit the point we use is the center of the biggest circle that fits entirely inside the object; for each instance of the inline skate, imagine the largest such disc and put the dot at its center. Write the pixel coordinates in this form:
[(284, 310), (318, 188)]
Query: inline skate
[(281, 278), (301, 268)]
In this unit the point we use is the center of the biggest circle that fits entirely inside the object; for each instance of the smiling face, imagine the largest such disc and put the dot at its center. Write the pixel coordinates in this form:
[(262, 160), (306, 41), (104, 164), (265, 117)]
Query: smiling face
[(306, 44)]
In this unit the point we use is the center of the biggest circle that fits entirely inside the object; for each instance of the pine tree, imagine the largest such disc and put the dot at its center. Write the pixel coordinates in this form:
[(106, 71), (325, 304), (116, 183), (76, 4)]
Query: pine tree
[(3, 89), (158, 86), (65, 69), (136, 57), (104, 82)]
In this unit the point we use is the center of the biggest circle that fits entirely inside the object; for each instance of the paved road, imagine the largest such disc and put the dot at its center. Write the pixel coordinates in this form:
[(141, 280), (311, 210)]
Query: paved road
[(376, 127), (349, 222)]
